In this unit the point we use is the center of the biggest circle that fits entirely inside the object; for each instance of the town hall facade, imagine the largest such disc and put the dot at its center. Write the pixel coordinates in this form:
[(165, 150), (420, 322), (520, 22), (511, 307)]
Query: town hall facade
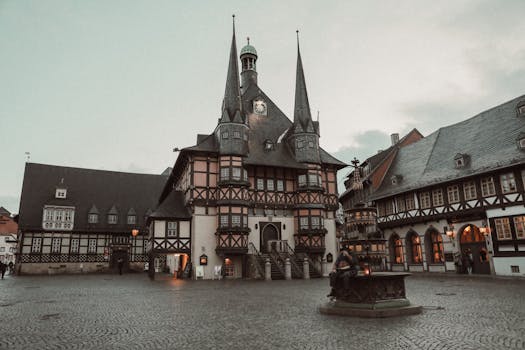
[(258, 188)]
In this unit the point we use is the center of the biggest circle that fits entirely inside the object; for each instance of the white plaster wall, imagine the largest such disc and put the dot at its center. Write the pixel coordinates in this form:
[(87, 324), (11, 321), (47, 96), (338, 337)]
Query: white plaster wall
[(159, 228), (204, 242), (509, 211), (502, 266), (184, 228), (255, 233)]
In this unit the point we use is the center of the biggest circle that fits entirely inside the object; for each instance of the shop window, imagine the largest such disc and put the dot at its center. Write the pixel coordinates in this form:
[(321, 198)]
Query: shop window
[(437, 248), (417, 255)]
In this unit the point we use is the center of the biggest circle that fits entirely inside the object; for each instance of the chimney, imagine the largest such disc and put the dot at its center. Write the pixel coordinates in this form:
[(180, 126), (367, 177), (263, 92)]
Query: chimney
[(394, 138)]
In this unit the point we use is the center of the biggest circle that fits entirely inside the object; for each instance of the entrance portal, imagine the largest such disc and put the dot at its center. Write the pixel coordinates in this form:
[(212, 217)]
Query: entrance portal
[(472, 239), (270, 231), (117, 254)]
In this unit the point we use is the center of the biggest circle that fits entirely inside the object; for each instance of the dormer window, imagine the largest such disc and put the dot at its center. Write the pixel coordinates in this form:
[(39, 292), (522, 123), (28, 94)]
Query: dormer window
[(268, 145), (461, 160), (113, 216), (112, 219), (236, 134), (93, 218), (131, 217), (520, 109), (521, 140), (224, 135), (61, 193), (396, 179), (299, 144)]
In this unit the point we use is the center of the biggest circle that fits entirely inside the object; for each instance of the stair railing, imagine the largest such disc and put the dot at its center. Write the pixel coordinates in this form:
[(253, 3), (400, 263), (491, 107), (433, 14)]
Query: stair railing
[(255, 252), (310, 261)]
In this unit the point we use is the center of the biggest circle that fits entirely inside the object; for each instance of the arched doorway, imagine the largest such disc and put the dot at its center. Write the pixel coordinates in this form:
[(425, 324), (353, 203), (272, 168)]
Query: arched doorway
[(471, 238), (269, 232)]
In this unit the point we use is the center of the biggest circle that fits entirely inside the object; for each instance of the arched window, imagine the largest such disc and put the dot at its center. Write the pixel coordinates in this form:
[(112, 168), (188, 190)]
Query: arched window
[(398, 256), (471, 234), (437, 248), (415, 244)]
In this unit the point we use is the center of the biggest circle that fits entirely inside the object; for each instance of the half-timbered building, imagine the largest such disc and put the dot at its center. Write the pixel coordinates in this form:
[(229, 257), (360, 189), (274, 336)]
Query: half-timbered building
[(360, 229), (460, 188), (76, 220), (258, 184)]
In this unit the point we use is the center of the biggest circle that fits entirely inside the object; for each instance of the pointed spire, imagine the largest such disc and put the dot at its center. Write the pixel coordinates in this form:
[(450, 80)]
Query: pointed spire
[(232, 94), (302, 115)]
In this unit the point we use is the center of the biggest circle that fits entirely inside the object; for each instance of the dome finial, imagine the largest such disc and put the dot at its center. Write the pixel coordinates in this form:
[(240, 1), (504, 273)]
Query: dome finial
[(248, 39)]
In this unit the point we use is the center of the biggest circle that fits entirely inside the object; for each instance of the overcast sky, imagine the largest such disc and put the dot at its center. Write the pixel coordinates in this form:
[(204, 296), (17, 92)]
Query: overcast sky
[(117, 85)]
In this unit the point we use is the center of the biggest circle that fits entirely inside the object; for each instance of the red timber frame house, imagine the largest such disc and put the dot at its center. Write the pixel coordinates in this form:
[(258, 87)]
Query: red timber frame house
[(258, 187)]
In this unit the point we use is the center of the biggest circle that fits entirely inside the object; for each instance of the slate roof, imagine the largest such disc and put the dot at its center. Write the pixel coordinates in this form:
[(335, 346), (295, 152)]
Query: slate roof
[(376, 160), (172, 207), (4, 211), (88, 188), (270, 127), (488, 139)]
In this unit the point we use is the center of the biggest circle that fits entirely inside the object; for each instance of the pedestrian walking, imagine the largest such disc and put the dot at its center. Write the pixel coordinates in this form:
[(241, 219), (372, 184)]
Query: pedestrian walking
[(11, 267), (3, 267), (468, 260), (120, 264)]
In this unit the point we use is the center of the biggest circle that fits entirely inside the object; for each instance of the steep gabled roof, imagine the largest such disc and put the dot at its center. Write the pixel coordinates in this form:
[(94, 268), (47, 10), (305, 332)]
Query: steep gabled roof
[(489, 139), (172, 207), (381, 162), (87, 188)]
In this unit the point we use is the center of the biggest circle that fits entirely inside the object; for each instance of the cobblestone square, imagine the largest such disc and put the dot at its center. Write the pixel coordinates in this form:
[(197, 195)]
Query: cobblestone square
[(132, 312)]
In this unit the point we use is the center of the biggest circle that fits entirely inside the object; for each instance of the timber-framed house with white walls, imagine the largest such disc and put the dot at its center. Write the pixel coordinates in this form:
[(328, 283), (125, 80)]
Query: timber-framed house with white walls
[(258, 187), (75, 220), (462, 187)]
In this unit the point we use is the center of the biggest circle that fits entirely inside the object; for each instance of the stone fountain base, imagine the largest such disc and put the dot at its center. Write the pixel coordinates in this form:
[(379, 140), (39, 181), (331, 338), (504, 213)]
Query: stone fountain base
[(379, 295)]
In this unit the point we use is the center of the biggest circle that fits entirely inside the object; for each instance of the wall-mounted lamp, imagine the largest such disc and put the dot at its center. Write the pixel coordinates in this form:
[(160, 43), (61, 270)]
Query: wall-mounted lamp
[(449, 231), (134, 232), (484, 229)]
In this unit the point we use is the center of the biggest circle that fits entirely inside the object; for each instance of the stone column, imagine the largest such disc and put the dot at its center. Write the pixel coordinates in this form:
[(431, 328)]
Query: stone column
[(324, 265), (287, 269), (267, 270), (306, 269)]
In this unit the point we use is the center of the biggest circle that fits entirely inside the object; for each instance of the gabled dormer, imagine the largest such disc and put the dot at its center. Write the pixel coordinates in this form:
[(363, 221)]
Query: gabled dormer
[(61, 190), (396, 179), (113, 215), (131, 217), (461, 160), (520, 109), (93, 215), (520, 140)]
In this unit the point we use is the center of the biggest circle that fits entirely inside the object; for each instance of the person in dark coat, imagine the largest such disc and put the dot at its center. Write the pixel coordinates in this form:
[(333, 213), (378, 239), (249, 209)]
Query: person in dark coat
[(345, 267), (3, 267), (120, 264)]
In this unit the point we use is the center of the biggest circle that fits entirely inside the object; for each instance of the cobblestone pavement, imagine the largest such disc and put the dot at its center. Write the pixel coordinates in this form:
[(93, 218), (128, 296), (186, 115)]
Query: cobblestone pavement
[(132, 312)]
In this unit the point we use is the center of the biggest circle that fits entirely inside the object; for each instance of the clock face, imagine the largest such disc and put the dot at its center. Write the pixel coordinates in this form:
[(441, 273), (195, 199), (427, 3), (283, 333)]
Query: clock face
[(259, 107)]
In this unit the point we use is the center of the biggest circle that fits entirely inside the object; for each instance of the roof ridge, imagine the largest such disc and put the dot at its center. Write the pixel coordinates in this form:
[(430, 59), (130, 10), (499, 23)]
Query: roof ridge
[(438, 131), (88, 169)]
